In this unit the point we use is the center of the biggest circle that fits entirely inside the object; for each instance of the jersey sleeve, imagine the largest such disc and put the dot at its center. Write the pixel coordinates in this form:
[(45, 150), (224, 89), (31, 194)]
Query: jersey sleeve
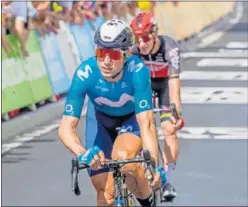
[(76, 95), (172, 55), (142, 87)]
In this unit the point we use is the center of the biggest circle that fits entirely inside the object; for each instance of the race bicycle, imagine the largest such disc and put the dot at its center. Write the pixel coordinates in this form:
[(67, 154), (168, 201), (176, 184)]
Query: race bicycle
[(122, 196)]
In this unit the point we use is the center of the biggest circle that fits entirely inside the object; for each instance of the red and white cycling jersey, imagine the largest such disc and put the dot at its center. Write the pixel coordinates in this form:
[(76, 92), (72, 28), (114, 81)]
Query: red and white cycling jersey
[(165, 61)]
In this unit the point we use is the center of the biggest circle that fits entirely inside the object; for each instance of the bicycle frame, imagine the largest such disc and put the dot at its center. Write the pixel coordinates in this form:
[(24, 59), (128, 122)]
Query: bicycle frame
[(120, 184)]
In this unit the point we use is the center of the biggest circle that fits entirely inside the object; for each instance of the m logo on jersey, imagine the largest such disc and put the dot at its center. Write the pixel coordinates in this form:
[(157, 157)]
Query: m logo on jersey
[(122, 101), (84, 73), (132, 67)]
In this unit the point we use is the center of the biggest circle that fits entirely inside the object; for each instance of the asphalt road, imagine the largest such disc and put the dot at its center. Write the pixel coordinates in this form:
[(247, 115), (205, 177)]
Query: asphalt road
[(212, 168)]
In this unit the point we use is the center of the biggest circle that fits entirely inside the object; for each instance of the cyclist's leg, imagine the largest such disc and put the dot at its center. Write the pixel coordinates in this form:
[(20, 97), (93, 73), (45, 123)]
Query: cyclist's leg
[(127, 145), (102, 180), (171, 140)]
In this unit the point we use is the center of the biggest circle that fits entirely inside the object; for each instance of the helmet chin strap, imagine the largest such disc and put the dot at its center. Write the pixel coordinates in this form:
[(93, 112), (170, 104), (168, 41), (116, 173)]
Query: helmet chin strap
[(154, 43), (113, 77)]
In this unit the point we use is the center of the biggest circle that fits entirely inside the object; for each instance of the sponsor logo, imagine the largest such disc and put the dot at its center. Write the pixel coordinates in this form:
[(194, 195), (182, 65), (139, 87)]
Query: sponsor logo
[(101, 88), (84, 73), (123, 85), (122, 101), (143, 104), (174, 57), (126, 129), (69, 108), (154, 66)]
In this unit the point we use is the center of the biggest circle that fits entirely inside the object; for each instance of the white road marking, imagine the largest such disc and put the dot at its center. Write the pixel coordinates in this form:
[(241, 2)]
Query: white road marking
[(237, 45), (239, 12), (214, 75), (214, 95), (223, 133), (20, 140), (7, 147), (210, 39), (229, 133), (222, 53), (222, 62)]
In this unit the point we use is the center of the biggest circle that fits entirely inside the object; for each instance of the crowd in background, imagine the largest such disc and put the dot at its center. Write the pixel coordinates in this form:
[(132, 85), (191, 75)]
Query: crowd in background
[(18, 18)]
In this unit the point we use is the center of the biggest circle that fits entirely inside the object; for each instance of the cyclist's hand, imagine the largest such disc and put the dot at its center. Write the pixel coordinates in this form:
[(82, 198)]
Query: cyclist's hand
[(159, 179), (94, 157), (178, 123), (156, 183), (172, 124)]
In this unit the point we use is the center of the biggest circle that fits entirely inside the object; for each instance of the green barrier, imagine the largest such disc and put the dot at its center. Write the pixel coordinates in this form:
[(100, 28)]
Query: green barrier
[(35, 70), (15, 87)]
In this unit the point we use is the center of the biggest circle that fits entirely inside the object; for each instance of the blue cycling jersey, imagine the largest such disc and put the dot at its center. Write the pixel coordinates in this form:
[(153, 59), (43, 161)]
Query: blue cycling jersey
[(132, 93)]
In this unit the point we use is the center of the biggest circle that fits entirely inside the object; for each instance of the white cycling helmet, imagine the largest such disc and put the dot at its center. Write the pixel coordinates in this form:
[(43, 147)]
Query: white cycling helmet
[(114, 33)]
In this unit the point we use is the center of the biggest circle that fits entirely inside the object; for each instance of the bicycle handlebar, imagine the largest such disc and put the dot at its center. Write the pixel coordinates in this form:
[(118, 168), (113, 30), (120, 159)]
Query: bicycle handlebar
[(172, 110), (109, 164)]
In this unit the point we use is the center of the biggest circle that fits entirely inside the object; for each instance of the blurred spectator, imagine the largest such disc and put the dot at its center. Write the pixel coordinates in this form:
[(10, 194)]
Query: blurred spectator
[(87, 9), (124, 10), (5, 42), (62, 9), (16, 22), (44, 16), (175, 3), (48, 14), (103, 8), (147, 6)]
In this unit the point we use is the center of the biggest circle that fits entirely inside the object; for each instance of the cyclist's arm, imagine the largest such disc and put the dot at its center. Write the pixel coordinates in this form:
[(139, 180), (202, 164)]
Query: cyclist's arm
[(144, 112), (71, 116), (68, 136), (173, 58), (174, 93)]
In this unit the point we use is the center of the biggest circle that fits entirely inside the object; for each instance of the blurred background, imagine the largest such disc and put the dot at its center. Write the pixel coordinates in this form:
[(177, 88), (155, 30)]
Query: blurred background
[(43, 42)]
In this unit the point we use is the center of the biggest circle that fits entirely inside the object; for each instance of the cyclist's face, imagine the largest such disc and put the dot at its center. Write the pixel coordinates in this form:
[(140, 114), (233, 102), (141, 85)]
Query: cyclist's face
[(110, 61), (145, 43)]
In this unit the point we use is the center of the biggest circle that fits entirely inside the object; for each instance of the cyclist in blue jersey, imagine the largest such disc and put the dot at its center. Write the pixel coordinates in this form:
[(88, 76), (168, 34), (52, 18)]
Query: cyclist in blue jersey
[(119, 90)]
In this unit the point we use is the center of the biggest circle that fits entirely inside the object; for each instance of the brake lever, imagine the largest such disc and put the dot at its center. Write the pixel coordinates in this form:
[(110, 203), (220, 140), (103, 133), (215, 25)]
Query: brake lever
[(74, 176)]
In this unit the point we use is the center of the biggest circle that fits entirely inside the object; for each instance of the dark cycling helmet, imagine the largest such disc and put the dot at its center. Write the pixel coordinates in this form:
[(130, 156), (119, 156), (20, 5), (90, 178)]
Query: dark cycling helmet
[(144, 24), (114, 33)]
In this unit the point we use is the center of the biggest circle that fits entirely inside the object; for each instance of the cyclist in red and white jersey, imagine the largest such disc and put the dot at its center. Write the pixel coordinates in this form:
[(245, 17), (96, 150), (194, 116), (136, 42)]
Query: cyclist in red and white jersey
[(162, 55)]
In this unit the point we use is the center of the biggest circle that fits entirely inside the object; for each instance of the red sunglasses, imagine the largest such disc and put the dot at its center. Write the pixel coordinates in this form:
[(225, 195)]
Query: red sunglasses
[(113, 54), (145, 38)]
